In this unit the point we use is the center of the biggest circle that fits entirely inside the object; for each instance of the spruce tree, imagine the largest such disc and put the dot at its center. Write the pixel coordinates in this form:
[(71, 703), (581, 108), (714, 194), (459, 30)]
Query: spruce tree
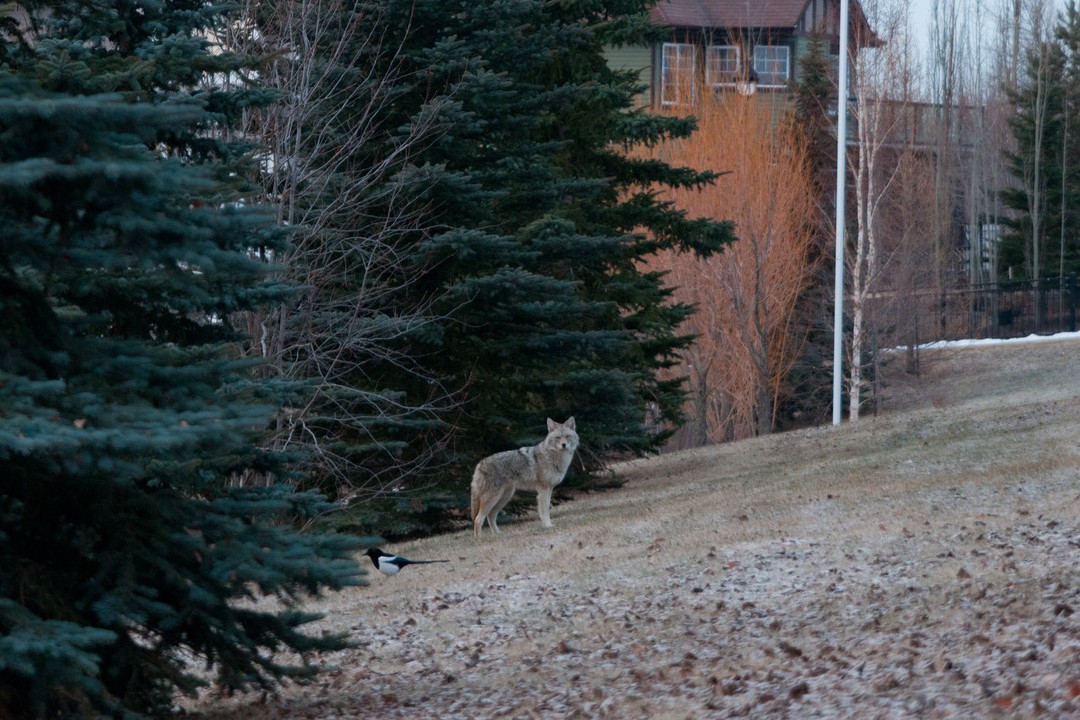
[(128, 547), (1047, 104), (810, 379), (1036, 129), (1067, 35), (535, 218)]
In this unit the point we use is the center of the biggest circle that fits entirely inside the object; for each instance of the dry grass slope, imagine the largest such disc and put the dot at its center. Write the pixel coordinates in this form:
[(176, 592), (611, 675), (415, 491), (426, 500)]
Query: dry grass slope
[(925, 563)]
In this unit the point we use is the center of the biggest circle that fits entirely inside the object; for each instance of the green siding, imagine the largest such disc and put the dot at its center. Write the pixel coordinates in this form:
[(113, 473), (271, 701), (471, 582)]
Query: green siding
[(636, 58)]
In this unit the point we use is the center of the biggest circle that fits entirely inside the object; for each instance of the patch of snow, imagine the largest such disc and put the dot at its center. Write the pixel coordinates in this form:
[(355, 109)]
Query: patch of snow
[(988, 342)]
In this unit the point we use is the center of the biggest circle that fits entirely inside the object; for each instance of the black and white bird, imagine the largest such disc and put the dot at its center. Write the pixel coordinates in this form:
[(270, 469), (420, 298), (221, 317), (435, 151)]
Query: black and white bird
[(389, 564)]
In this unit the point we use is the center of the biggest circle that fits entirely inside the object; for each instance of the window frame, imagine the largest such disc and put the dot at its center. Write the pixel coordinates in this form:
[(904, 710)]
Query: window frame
[(671, 93), (767, 77), (727, 77)]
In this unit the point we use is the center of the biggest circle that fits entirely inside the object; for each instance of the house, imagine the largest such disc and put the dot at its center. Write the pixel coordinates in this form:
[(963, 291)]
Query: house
[(742, 45)]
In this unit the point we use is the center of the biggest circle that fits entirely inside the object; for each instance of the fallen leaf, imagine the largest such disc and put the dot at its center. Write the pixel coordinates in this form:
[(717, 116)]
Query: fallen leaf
[(790, 649)]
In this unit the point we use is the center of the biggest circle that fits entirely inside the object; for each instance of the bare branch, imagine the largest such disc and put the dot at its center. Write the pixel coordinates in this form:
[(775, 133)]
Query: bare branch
[(349, 210)]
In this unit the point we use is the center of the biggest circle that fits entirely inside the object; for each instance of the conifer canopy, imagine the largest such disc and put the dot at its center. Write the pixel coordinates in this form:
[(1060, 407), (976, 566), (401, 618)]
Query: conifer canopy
[(126, 559)]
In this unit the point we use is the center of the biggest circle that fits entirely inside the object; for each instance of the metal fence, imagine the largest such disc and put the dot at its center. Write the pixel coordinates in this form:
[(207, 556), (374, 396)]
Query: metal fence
[(1004, 309)]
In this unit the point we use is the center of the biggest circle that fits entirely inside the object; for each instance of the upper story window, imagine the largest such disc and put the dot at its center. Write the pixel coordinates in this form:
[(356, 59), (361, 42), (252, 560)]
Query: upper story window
[(771, 65), (677, 73), (722, 65)]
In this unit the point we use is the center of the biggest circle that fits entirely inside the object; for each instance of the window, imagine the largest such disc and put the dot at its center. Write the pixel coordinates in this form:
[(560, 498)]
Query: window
[(771, 65), (677, 74), (722, 65)]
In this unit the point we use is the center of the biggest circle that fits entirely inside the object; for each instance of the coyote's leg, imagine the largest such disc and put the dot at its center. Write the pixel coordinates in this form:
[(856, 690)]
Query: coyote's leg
[(543, 504), (482, 506), (498, 505), (478, 518)]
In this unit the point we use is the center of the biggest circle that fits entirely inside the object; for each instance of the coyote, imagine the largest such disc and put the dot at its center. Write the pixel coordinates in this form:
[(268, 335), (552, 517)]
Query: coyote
[(539, 467)]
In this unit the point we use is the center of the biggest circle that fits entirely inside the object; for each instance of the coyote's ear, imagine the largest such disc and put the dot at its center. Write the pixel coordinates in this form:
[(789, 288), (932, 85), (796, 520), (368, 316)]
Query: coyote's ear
[(570, 423)]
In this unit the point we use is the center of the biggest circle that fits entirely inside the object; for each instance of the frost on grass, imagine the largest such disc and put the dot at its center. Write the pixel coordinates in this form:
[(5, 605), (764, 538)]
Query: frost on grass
[(922, 564)]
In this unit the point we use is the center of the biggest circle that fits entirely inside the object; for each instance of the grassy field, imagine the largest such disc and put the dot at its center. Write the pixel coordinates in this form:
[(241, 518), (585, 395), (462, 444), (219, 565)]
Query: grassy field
[(923, 563)]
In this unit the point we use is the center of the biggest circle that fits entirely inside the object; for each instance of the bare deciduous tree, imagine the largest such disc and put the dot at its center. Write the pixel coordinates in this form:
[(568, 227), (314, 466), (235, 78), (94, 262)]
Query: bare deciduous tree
[(747, 338), (878, 73), (347, 208), (1034, 180)]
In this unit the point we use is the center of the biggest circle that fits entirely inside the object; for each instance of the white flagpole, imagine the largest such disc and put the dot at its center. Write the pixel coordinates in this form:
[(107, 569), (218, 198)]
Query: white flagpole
[(841, 175)]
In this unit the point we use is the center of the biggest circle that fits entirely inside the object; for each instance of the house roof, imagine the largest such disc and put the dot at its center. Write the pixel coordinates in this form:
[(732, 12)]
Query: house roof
[(748, 14), (729, 13)]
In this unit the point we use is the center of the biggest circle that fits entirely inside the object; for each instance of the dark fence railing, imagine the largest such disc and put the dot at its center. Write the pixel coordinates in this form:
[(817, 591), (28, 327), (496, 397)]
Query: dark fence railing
[(1004, 309)]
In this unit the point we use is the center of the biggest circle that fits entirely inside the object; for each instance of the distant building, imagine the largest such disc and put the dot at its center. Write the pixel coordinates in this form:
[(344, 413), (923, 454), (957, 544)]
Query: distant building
[(739, 45)]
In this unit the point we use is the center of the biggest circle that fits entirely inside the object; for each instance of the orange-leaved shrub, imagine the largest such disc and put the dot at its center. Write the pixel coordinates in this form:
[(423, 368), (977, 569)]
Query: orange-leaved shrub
[(747, 328)]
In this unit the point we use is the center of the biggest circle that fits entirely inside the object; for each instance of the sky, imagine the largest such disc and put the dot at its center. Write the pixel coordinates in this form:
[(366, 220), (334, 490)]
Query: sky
[(922, 14), (922, 20)]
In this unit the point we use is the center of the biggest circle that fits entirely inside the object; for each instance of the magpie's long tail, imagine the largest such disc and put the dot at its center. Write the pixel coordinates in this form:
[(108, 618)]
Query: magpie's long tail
[(426, 562)]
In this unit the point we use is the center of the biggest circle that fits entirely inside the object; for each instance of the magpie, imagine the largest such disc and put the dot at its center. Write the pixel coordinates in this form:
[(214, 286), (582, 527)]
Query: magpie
[(389, 564)]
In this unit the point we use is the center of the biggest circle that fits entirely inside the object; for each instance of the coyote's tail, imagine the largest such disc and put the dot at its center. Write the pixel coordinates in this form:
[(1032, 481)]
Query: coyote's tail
[(475, 500)]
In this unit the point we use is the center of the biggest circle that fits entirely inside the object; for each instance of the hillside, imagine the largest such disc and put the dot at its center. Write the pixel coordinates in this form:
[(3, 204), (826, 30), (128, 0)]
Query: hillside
[(921, 563)]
